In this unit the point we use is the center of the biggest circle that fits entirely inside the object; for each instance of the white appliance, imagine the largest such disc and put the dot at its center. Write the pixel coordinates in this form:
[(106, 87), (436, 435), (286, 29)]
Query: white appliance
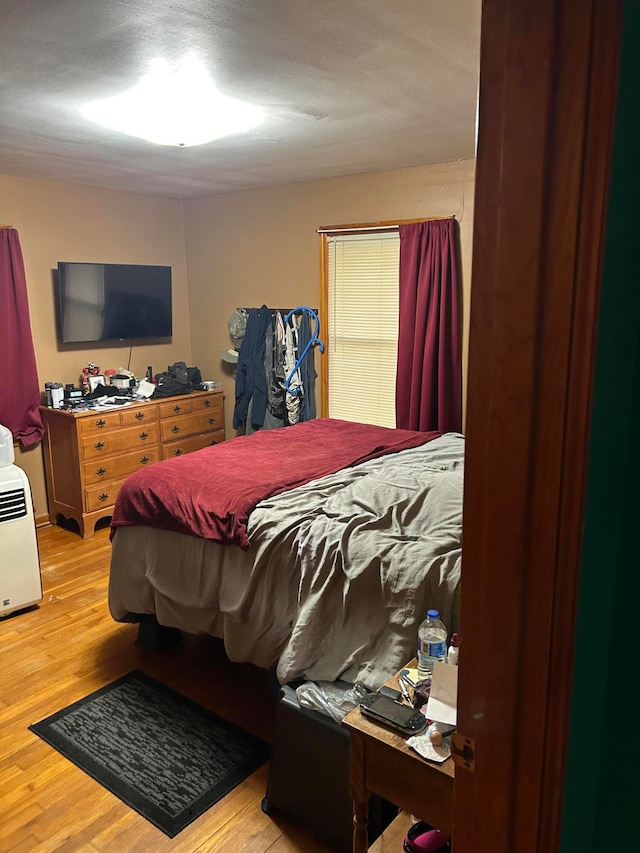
[(20, 584)]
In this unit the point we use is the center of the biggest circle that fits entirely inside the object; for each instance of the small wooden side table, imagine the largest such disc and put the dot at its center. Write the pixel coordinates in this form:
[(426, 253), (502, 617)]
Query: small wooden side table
[(381, 762)]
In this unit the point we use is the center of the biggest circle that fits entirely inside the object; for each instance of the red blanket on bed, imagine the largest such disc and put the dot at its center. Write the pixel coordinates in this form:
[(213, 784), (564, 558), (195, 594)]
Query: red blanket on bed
[(211, 492)]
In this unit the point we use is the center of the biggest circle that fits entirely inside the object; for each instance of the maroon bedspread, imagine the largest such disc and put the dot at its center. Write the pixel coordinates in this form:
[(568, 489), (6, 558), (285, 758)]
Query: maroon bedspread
[(211, 492)]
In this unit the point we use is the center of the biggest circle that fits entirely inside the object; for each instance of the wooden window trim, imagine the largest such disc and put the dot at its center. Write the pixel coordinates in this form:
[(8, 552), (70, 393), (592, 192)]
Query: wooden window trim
[(324, 233)]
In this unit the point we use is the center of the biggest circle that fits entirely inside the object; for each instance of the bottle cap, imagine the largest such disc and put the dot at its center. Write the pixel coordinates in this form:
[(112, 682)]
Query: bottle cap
[(455, 640), (433, 614)]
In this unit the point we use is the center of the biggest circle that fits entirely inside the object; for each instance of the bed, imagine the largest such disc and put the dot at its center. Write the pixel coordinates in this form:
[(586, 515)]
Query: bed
[(314, 549)]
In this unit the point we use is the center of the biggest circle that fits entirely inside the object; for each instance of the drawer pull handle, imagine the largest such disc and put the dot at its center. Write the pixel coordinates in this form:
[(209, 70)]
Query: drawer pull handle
[(178, 452), (101, 471), (207, 402), (103, 497), (139, 416), (101, 423), (211, 421), (175, 428), (145, 459), (143, 436), (177, 409), (99, 445)]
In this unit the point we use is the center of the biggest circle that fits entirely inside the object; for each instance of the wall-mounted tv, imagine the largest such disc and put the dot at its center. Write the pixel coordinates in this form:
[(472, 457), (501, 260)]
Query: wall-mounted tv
[(112, 302)]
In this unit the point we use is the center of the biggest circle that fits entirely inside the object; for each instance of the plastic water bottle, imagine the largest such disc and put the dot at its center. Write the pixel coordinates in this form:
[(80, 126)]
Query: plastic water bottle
[(432, 643)]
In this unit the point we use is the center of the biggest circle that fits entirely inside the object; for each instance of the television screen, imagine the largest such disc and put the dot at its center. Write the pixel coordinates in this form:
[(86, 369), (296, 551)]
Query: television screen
[(113, 302)]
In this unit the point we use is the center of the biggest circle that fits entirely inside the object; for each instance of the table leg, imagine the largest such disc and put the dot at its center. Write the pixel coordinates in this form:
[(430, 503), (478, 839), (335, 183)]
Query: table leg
[(359, 793), (360, 826)]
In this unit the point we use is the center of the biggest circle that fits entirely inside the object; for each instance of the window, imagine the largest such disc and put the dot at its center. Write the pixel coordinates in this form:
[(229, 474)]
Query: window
[(361, 280)]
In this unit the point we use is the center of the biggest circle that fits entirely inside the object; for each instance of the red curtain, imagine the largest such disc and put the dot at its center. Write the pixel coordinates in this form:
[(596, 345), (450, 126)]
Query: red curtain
[(429, 377), (19, 389)]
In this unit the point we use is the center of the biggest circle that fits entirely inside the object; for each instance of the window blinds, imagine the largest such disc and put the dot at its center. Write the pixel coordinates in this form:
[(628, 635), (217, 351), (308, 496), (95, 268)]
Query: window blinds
[(362, 295)]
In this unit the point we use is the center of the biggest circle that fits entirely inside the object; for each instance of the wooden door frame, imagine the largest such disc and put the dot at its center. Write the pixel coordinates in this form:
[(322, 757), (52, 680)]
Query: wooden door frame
[(548, 77)]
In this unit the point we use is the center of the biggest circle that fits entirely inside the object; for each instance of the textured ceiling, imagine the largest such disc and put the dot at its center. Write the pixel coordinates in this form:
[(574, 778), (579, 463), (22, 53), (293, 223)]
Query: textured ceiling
[(350, 86)]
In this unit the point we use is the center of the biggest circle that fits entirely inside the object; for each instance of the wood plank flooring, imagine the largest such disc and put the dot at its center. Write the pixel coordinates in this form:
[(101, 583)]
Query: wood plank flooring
[(68, 647)]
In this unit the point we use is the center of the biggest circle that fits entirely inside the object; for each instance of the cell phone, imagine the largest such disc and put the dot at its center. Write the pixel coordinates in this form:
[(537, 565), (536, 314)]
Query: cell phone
[(391, 693), (401, 718)]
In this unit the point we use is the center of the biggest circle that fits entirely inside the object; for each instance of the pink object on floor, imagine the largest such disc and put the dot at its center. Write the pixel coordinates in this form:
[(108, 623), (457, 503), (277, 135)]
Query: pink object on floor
[(421, 839)]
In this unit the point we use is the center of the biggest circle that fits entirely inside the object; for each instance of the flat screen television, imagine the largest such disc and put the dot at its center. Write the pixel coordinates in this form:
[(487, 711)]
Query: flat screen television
[(112, 302)]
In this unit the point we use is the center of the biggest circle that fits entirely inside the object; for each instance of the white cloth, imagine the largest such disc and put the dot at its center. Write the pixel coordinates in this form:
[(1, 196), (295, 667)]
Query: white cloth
[(293, 396)]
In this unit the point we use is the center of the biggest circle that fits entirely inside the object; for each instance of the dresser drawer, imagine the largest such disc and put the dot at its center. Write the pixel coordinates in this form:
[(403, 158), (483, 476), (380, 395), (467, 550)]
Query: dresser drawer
[(175, 407), (185, 425), (188, 445), (102, 495), (99, 422), (212, 403), (115, 467), (119, 441), (139, 415), (127, 416)]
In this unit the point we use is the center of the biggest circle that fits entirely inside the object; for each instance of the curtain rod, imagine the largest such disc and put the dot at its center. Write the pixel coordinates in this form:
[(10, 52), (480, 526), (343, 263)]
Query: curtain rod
[(378, 226), (358, 229)]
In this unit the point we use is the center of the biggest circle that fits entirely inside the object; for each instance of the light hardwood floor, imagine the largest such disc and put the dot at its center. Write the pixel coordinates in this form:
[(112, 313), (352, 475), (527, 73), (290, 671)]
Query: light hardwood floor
[(69, 646)]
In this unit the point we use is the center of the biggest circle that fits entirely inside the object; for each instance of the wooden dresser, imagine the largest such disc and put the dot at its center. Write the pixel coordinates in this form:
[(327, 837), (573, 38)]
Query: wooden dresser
[(88, 454)]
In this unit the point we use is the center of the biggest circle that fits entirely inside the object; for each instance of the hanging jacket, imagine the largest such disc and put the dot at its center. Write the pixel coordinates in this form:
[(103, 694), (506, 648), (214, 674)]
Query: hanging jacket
[(251, 380)]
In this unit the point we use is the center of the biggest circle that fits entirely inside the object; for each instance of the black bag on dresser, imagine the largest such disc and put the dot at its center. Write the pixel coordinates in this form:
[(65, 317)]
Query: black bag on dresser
[(178, 379)]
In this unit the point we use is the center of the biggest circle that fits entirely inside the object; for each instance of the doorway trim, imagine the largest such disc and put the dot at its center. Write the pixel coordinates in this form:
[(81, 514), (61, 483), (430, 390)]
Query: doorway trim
[(548, 76)]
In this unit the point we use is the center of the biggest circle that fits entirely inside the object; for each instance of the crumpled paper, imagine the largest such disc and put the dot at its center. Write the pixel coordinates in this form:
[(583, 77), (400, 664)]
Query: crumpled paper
[(423, 746)]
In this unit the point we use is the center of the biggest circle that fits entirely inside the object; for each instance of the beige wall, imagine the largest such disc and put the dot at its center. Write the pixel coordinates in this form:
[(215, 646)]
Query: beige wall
[(67, 222), (242, 248), (260, 246)]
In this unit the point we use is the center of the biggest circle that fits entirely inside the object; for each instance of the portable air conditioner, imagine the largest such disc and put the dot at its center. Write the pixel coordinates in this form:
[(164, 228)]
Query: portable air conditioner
[(20, 584)]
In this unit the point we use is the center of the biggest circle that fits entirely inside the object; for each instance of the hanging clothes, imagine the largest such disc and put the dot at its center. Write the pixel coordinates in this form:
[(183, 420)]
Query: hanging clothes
[(294, 392), (275, 377), (251, 380), (274, 344), (274, 366)]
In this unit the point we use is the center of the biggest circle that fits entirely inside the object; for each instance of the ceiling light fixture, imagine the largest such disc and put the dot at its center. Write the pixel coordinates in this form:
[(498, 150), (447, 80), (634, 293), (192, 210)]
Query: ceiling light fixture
[(181, 107)]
